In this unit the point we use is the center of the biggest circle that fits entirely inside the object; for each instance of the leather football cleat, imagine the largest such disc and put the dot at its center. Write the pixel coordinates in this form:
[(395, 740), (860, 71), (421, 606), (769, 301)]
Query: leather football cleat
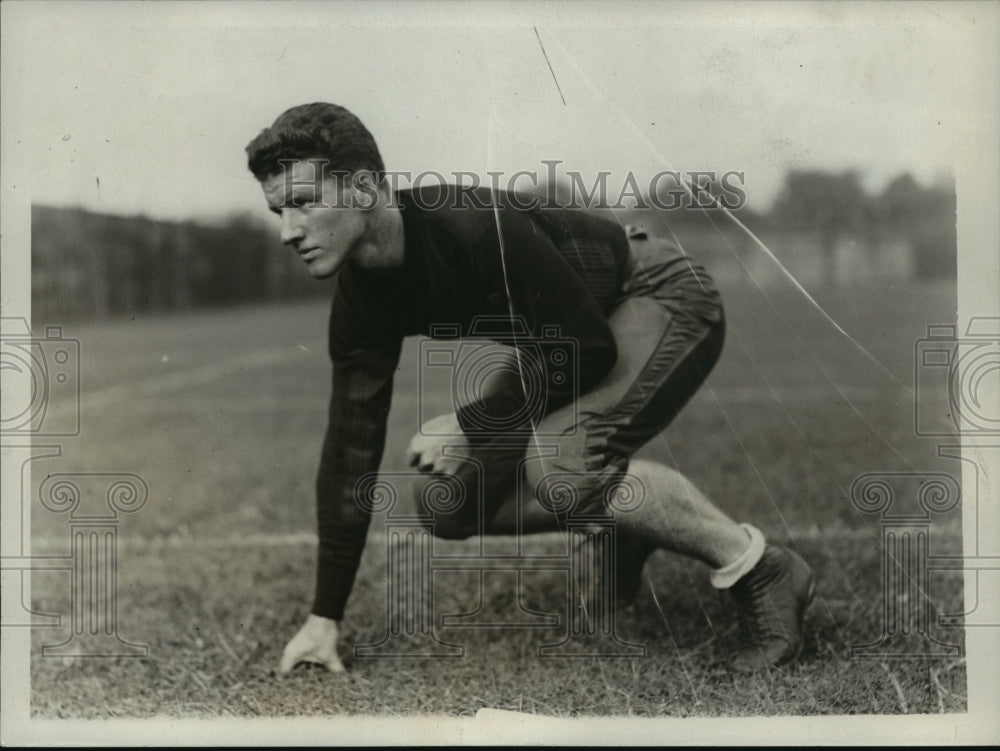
[(771, 601)]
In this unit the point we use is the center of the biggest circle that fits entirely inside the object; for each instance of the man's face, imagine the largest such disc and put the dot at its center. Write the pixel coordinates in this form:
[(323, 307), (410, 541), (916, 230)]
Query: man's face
[(318, 218)]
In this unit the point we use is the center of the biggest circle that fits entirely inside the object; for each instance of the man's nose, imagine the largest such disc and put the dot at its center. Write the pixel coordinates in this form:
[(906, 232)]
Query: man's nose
[(291, 231)]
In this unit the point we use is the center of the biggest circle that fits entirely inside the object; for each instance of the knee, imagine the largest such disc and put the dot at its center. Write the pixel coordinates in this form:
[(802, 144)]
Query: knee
[(706, 307), (655, 479), (449, 528), (710, 318), (569, 492), (699, 298), (654, 472), (717, 328), (448, 506)]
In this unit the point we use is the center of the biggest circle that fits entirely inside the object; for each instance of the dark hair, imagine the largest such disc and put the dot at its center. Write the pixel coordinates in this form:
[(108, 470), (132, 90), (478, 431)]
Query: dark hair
[(319, 130)]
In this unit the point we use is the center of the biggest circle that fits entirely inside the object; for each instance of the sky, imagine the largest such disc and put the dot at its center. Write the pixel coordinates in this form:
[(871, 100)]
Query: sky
[(145, 108)]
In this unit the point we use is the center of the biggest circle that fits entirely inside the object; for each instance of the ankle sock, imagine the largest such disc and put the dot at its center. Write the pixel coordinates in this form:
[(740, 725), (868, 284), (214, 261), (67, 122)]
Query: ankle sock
[(727, 576)]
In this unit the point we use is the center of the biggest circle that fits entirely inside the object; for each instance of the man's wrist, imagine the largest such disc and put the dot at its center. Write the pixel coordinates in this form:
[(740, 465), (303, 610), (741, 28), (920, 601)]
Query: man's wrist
[(322, 622)]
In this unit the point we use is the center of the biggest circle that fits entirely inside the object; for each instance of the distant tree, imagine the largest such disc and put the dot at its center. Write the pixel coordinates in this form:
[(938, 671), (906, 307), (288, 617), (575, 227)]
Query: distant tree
[(902, 198), (926, 218), (833, 204)]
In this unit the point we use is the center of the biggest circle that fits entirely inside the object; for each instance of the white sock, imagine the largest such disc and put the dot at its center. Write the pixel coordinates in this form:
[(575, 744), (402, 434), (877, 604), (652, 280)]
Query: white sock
[(727, 576)]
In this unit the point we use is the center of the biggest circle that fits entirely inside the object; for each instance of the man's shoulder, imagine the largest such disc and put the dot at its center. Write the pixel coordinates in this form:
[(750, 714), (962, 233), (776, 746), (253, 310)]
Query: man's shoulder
[(468, 212), (462, 211), (449, 197)]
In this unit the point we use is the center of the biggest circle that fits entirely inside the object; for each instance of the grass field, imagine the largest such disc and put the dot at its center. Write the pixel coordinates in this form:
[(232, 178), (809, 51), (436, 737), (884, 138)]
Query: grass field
[(222, 414)]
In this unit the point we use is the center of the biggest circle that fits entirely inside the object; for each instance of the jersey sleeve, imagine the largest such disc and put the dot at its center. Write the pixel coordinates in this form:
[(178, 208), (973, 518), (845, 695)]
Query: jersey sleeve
[(352, 448), (565, 345)]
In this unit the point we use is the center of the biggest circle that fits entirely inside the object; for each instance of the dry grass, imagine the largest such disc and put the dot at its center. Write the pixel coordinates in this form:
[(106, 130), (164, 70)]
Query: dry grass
[(233, 457)]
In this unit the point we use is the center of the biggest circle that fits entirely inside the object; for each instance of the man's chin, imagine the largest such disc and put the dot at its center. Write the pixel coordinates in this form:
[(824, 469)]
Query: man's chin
[(324, 271), (318, 274)]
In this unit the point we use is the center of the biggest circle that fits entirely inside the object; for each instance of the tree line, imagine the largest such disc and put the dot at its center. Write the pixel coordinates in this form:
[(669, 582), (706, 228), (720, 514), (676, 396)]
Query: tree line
[(86, 264), (835, 207)]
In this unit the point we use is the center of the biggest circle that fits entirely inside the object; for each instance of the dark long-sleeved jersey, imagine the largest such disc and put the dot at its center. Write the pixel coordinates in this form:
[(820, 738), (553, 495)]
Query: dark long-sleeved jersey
[(468, 255)]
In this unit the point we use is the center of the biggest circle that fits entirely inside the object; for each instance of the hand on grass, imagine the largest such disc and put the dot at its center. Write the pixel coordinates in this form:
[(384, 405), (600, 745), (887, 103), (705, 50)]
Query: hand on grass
[(426, 450), (315, 642)]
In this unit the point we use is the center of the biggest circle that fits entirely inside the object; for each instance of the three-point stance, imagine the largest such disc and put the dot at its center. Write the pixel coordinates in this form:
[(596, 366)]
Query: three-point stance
[(646, 325)]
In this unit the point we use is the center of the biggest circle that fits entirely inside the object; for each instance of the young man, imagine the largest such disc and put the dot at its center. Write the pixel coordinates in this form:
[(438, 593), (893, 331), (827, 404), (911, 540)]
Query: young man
[(645, 326)]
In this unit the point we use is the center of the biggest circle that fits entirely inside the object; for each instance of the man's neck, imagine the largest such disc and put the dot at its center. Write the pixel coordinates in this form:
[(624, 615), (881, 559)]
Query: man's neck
[(387, 240)]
